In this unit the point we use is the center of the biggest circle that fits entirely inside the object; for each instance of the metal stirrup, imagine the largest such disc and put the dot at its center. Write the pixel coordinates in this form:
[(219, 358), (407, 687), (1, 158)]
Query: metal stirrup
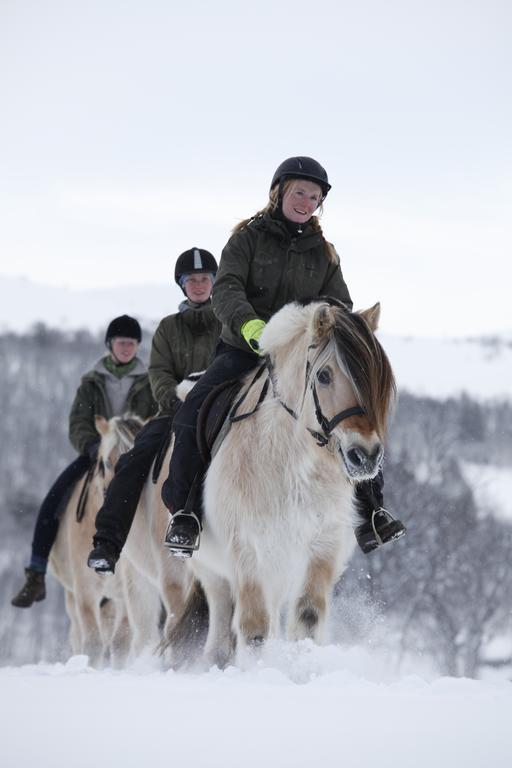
[(189, 547), (377, 536)]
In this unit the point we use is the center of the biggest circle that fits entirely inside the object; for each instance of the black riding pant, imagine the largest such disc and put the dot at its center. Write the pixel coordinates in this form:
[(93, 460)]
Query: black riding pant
[(47, 523), (229, 363), (115, 518)]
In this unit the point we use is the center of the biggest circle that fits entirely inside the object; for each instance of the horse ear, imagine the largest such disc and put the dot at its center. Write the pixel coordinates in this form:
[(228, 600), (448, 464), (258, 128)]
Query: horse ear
[(324, 320), (372, 316), (101, 425)]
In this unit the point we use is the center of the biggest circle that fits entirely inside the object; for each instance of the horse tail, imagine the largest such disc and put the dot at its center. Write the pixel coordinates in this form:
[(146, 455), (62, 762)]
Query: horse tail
[(187, 638)]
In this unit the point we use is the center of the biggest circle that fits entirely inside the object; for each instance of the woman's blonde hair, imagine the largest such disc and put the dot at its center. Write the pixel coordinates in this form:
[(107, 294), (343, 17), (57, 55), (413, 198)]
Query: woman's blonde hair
[(273, 200)]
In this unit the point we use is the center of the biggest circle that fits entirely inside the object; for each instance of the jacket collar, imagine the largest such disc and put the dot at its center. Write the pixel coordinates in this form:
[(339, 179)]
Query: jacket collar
[(197, 317), (278, 228)]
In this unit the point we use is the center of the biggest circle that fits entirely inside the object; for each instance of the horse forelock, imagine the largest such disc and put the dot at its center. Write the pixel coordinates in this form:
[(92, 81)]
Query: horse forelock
[(366, 364)]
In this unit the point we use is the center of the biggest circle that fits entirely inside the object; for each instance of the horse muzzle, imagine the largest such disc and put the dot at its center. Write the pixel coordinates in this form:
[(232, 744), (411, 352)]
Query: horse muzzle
[(360, 463)]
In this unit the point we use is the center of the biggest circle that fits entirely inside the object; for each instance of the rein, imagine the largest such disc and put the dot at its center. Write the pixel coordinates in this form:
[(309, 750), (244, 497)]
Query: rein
[(84, 494), (232, 415)]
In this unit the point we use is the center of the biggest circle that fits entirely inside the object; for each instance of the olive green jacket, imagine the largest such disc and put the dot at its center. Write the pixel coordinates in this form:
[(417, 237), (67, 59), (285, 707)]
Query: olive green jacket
[(263, 267), (92, 400), (183, 343)]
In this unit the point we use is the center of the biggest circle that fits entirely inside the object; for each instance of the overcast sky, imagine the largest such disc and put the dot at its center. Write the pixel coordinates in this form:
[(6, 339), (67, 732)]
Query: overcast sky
[(130, 131)]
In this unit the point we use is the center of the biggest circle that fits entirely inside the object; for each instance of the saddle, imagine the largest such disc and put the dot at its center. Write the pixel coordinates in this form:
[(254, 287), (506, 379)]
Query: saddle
[(218, 412), (213, 416)]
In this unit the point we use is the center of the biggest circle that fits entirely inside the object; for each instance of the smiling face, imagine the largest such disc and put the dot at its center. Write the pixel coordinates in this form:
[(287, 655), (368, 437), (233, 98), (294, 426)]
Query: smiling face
[(300, 200), (198, 287)]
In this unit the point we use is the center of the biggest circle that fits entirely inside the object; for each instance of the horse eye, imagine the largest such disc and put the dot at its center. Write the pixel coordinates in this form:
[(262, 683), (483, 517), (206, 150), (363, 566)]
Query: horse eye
[(324, 377), (101, 467)]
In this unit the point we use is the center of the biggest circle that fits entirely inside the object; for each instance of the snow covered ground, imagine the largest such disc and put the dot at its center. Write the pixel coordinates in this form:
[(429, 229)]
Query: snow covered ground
[(298, 706)]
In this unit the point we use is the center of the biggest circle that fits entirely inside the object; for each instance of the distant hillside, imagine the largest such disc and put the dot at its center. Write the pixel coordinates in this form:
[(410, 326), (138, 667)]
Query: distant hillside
[(23, 303), (437, 367)]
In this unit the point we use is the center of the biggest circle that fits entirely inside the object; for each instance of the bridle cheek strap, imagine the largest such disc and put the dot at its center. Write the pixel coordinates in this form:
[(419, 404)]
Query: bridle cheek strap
[(328, 425)]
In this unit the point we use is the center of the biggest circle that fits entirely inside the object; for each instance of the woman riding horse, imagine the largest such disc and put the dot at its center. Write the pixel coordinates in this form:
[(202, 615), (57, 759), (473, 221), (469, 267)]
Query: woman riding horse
[(183, 343), (117, 384), (277, 256)]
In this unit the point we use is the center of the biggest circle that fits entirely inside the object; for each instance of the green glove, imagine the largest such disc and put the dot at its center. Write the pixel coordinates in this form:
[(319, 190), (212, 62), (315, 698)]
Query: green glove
[(251, 331)]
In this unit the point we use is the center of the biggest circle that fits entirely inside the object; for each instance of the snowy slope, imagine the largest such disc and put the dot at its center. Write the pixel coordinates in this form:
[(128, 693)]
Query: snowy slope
[(23, 303), (303, 707), (435, 367)]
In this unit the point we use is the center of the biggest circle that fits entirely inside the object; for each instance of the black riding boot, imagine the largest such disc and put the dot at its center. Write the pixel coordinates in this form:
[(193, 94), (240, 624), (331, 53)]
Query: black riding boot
[(103, 557), (380, 526), (32, 591)]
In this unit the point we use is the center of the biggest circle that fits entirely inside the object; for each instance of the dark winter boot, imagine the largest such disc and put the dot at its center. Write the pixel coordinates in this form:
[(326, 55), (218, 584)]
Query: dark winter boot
[(183, 534), (379, 529), (103, 557), (32, 591)]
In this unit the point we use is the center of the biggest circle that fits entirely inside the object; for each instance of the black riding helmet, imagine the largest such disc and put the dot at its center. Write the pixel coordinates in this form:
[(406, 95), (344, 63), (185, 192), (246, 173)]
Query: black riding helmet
[(125, 326), (194, 260), (301, 168)]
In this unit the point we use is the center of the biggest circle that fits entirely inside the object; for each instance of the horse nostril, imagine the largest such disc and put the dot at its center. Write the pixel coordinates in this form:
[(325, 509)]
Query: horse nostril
[(357, 457)]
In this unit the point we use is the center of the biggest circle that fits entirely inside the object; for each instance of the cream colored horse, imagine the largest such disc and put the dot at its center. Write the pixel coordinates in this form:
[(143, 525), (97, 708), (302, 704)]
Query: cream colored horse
[(279, 512), (111, 617)]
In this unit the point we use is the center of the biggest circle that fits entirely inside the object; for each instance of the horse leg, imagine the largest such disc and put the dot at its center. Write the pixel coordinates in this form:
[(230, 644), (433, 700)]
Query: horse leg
[(309, 615), (173, 599), (120, 643), (219, 644), (143, 608), (251, 619), (92, 643), (75, 635), (114, 629)]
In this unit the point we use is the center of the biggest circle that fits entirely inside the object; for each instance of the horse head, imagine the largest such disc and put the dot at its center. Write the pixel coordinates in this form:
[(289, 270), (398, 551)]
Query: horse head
[(332, 374), (117, 436)]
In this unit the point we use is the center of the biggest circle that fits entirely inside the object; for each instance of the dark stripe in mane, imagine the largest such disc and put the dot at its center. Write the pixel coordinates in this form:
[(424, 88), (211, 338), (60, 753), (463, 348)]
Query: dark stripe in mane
[(367, 366)]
